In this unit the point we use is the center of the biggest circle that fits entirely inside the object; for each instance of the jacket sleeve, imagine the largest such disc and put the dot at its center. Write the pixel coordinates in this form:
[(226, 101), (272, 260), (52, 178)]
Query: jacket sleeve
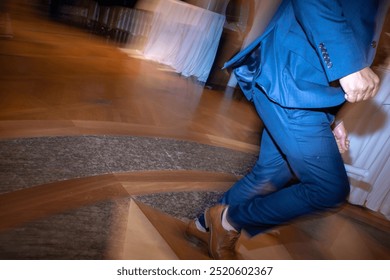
[(331, 35)]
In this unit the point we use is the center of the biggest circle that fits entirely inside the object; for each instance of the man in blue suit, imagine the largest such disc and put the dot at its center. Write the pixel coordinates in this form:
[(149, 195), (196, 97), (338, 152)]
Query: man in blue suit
[(313, 56)]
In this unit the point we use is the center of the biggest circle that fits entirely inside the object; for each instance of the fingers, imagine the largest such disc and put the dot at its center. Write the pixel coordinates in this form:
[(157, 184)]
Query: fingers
[(360, 85), (339, 131), (343, 145), (340, 134), (347, 144)]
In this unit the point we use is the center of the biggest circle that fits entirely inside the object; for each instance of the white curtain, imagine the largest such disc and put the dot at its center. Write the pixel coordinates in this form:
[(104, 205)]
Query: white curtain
[(368, 160), (216, 6), (185, 37)]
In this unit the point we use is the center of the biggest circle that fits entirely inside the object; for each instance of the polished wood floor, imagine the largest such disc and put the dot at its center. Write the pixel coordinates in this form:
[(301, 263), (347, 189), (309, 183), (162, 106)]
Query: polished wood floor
[(59, 80)]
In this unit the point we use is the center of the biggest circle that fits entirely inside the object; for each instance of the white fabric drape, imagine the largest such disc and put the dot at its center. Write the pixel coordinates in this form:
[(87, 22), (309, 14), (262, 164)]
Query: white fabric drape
[(216, 6), (368, 160), (184, 37), (134, 21)]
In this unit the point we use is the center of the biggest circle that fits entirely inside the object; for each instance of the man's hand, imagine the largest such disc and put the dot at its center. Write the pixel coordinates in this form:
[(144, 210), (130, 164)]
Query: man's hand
[(360, 85), (340, 134)]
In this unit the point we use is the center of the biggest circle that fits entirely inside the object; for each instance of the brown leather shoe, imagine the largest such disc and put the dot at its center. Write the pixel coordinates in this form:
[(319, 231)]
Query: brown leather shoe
[(195, 235), (222, 242)]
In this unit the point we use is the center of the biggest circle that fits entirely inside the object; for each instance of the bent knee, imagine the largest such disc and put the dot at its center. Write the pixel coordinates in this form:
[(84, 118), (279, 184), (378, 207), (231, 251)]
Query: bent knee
[(340, 194), (334, 196)]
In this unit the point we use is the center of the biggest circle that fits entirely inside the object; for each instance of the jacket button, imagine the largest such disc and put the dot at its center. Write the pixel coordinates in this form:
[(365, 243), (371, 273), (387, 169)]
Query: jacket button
[(373, 44)]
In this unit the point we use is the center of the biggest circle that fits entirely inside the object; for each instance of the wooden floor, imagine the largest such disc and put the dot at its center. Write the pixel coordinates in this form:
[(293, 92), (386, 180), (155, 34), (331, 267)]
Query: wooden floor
[(58, 80)]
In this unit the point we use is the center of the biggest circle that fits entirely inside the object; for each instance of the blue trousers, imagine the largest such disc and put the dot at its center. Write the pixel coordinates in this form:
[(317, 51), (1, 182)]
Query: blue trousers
[(298, 146)]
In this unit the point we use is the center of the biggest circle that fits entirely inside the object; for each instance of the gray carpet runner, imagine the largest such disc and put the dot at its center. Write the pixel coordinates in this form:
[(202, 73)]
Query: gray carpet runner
[(85, 233)]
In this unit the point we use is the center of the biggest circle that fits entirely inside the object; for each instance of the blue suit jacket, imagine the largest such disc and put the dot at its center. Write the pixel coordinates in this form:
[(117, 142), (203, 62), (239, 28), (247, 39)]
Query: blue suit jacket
[(308, 45)]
